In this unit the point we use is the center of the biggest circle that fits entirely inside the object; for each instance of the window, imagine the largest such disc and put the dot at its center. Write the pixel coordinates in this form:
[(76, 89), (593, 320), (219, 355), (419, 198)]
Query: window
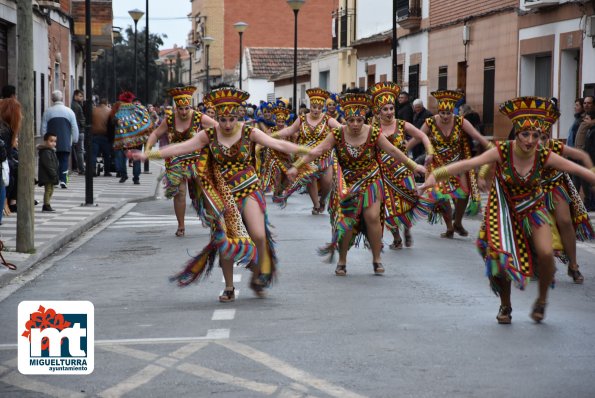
[(543, 76), (443, 78), (323, 79), (399, 79), (489, 80), (42, 95), (402, 8), (34, 101), (414, 81), (3, 54), (57, 76)]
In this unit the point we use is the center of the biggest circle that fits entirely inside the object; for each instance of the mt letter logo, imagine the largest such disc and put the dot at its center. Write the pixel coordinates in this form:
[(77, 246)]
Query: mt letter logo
[(56, 337)]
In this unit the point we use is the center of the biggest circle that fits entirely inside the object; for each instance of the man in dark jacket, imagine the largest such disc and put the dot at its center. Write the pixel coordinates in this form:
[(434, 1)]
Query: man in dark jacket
[(404, 109), (61, 120), (420, 114), (78, 147)]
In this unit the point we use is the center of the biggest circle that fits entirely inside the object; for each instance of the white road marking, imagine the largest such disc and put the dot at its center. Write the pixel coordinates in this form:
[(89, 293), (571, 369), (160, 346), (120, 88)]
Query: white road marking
[(28, 383), (236, 278), (130, 352), (287, 370), (237, 293), (223, 315), (220, 377), (136, 380)]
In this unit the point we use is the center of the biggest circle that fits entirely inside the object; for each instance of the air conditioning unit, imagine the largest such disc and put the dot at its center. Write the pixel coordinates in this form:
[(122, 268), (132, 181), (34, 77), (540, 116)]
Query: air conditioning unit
[(535, 4), (49, 4)]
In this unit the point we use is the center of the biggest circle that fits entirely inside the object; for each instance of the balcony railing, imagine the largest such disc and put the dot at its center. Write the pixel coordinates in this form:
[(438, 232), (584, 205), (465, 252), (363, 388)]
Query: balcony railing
[(410, 17)]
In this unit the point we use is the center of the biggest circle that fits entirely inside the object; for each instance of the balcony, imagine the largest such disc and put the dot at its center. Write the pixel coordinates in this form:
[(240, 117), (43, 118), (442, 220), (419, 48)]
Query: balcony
[(409, 17)]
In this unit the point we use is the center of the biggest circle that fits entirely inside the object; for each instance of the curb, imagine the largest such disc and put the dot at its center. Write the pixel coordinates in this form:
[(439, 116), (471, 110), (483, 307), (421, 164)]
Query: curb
[(71, 234)]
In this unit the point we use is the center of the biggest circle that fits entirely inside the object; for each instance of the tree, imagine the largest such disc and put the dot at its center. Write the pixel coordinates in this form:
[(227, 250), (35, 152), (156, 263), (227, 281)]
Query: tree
[(103, 71)]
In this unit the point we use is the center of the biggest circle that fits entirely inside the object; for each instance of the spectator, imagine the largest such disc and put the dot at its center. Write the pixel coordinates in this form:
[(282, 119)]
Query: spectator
[(10, 125), (9, 91), (62, 121), (420, 114), (101, 137), (578, 118), (79, 149), (589, 147), (585, 124), (404, 108), (472, 117), (47, 173)]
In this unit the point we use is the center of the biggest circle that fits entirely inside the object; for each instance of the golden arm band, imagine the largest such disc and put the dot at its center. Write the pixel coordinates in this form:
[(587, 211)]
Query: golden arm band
[(303, 150), (275, 134), (592, 169), (148, 148), (490, 145), (154, 154), (410, 164), (441, 174), (299, 163), (484, 171)]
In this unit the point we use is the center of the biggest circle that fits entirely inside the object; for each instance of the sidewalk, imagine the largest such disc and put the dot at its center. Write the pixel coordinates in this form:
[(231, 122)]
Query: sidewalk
[(72, 218)]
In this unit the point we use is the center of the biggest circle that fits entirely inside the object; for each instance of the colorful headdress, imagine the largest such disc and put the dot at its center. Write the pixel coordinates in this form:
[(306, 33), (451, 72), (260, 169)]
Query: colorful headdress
[(355, 104), (182, 96), (127, 97), (332, 98), (280, 111), (226, 100), (447, 99), (317, 96), (266, 105), (529, 113), (208, 104), (133, 125), (384, 93), (550, 118)]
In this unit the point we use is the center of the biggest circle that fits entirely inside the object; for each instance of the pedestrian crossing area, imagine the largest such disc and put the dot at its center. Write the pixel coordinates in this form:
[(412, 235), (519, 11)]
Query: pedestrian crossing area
[(142, 220), (70, 208)]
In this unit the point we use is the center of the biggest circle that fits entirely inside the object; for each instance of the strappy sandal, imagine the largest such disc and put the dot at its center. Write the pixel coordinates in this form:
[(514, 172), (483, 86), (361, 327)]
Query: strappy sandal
[(322, 207), (396, 245), (538, 313), (341, 270), (258, 288), (504, 317), (408, 238), (228, 295), (576, 275), (180, 232), (460, 230), (378, 268), (315, 211), (449, 234)]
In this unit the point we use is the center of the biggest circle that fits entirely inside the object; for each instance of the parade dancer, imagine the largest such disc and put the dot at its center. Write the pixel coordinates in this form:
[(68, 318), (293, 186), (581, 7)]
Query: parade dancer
[(356, 205), (515, 239), (563, 200), (180, 171), (332, 108), (451, 137), (401, 203), (313, 128), (235, 203)]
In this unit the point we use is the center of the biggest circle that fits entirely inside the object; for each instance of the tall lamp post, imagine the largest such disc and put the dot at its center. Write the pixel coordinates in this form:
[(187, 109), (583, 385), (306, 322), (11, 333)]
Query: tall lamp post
[(136, 15), (295, 6), (170, 58), (240, 27), (115, 34), (190, 48), (147, 95), (207, 41)]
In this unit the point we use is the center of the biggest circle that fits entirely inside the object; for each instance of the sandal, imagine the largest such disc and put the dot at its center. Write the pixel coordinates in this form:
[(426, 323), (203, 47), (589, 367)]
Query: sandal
[(538, 313), (258, 288), (180, 232), (316, 211), (397, 244), (228, 295), (460, 230), (448, 234), (408, 238), (378, 268), (576, 275), (341, 270), (504, 317)]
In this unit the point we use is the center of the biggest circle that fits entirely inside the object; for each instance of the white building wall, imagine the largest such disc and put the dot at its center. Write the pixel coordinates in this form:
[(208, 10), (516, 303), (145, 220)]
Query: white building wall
[(40, 65), (258, 89), (411, 45), (328, 63), (383, 67), (561, 69)]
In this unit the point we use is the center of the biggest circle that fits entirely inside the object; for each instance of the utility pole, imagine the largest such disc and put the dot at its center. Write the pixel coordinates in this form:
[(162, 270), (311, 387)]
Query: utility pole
[(394, 43), (25, 84)]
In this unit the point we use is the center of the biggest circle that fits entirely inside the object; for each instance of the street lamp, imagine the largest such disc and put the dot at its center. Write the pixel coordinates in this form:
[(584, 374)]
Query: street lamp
[(171, 57), (240, 27), (115, 34), (136, 14), (295, 6), (207, 41), (190, 48)]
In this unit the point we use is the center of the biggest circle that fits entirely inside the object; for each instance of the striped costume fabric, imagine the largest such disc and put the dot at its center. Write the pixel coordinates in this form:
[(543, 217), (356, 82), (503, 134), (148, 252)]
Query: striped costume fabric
[(357, 185), (515, 205)]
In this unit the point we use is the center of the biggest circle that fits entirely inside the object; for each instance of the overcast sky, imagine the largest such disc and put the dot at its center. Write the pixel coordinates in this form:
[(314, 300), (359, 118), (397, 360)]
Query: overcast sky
[(167, 16)]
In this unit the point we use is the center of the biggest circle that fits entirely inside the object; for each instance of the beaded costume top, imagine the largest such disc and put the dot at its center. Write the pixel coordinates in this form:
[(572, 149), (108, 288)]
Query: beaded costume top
[(359, 163), (448, 148), (312, 135), (174, 135)]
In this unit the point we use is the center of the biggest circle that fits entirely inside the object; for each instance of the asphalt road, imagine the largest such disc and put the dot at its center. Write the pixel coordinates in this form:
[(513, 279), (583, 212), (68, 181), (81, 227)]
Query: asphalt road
[(426, 328)]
